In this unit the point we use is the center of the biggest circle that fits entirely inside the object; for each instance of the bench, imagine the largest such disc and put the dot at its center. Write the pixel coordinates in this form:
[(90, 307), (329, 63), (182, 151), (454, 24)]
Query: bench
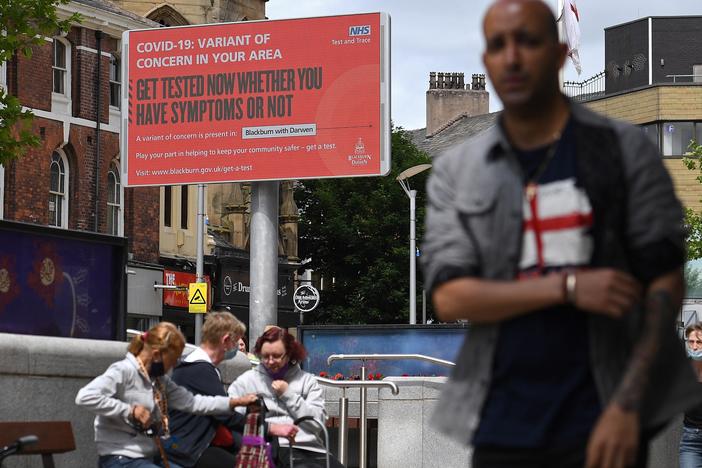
[(54, 437)]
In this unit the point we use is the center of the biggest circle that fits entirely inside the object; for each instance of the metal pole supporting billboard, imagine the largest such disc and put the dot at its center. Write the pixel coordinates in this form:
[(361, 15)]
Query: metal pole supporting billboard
[(200, 267), (263, 298)]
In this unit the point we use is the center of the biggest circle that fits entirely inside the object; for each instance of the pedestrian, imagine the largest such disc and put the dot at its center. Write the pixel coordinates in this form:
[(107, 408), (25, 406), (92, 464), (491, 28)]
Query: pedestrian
[(557, 234), (210, 441), (131, 401), (691, 439), (289, 393)]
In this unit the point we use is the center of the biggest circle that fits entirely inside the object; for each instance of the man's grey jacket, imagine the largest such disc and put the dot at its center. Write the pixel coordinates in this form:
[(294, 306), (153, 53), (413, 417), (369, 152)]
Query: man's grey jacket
[(474, 228)]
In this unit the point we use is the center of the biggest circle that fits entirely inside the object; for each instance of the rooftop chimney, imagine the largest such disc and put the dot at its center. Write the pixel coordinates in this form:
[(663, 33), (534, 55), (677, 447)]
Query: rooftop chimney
[(448, 98)]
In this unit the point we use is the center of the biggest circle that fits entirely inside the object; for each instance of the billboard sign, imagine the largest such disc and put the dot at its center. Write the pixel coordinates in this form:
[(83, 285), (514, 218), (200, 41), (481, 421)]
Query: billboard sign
[(257, 100), (179, 297)]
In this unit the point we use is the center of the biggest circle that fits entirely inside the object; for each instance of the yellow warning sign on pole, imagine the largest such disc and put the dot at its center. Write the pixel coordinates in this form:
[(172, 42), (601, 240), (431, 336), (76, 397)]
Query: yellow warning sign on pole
[(197, 298)]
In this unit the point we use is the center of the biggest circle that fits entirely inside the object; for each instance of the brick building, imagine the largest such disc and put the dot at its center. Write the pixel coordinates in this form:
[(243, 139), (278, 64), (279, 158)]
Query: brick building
[(71, 181)]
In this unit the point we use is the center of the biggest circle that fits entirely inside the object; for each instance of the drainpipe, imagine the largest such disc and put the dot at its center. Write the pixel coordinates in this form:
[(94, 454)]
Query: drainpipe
[(98, 39)]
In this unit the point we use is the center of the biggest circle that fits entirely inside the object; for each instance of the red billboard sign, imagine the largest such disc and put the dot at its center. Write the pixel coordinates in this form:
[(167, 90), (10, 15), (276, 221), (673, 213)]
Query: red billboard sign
[(179, 298), (257, 100)]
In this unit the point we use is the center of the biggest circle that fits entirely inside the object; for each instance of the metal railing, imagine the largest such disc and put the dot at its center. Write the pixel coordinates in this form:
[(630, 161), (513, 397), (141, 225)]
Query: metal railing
[(344, 407), (581, 91), (363, 416), (685, 78)]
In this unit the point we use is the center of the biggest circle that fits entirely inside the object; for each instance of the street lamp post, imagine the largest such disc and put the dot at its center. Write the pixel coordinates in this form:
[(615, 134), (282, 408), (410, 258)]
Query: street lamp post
[(403, 179)]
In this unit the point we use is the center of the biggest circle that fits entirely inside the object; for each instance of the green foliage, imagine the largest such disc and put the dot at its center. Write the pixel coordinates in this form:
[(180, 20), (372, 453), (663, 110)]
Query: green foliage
[(693, 223), (693, 281), (693, 220), (25, 24), (356, 231)]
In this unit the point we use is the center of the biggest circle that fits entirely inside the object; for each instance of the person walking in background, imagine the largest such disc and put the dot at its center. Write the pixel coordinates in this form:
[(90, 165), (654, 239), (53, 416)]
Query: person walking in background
[(558, 235), (210, 441), (131, 401), (691, 439), (289, 393)]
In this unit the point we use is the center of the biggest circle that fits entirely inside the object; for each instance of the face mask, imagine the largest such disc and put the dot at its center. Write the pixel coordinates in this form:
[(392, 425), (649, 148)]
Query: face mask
[(230, 354), (157, 369), (694, 355), (280, 373)]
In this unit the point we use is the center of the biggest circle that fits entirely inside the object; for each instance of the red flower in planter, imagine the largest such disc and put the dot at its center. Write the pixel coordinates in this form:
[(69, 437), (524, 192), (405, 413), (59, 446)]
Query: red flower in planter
[(339, 376), (370, 376), (323, 374), (378, 376)]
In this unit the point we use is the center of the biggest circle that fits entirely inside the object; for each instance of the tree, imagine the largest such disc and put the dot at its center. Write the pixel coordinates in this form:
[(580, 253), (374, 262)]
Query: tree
[(25, 23), (356, 233), (693, 220)]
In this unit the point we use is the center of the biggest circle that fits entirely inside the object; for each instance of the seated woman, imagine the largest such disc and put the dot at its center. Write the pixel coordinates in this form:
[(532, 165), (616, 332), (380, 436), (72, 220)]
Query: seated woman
[(210, 441), (289, 393), (131, 401)]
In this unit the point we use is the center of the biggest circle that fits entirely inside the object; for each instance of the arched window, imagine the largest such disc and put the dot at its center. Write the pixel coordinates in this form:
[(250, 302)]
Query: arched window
[(114, 200), (58, 190), (167, 16)]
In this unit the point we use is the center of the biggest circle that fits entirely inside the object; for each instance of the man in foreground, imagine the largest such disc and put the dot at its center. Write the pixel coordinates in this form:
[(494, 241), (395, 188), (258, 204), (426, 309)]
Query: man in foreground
[(558, 235)]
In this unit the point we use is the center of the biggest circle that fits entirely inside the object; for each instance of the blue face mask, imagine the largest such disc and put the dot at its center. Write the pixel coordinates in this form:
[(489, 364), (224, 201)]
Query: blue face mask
[(230, 354), (694, 355)]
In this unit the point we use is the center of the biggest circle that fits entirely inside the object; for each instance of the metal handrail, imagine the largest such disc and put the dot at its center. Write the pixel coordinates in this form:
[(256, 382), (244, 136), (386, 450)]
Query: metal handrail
[(388, 357), (674, 77), (344, 406), (358, 384), (363, 434)]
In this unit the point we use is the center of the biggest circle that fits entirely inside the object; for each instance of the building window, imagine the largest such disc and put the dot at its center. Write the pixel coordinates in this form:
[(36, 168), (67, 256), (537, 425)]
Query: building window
[(114, 200), (3, 75), (676, 137), (58, 190), (115, 82), (651, 131), (167, 205), (60, 66), (184, 207)]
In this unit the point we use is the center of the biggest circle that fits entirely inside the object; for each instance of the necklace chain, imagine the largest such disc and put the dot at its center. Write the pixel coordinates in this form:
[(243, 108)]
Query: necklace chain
[(159, 396)]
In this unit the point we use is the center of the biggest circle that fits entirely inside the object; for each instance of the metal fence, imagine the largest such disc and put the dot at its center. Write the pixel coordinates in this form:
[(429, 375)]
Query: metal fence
[(581, 91)]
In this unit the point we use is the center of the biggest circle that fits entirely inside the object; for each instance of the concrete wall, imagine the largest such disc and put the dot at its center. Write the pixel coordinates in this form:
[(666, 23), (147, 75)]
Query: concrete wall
[(40, 376), (405, 438), (39, 379)]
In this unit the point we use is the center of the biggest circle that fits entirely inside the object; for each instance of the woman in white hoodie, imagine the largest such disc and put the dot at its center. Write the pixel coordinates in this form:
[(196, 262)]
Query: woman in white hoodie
[(131, 401), (289, 393)]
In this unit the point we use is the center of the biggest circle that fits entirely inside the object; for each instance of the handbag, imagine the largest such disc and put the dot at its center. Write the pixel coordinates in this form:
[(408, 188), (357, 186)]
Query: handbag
[(256, 451)]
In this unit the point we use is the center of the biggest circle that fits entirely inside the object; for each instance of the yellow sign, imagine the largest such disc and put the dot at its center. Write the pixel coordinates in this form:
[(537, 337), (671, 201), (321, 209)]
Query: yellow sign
[(197, 298)]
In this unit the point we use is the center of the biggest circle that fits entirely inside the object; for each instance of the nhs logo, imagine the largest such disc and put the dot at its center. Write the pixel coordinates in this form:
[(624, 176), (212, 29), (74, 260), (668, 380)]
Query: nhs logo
[(364, 30)]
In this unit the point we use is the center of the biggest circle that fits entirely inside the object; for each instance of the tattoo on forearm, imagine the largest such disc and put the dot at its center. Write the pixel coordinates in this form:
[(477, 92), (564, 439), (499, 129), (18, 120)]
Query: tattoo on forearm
[(659, 318)]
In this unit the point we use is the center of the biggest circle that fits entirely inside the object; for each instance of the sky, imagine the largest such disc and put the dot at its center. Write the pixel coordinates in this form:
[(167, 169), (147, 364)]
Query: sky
[(446, 36)]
